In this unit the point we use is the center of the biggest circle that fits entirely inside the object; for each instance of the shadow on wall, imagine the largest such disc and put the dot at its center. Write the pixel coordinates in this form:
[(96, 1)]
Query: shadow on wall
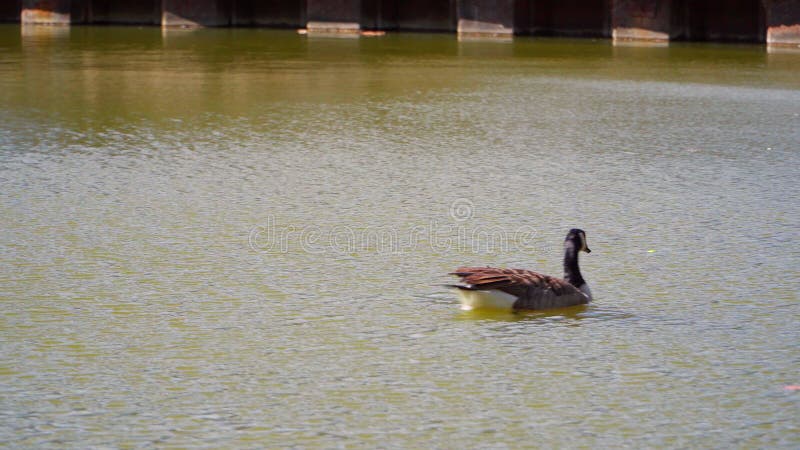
[(719, 20), (273, 13), (123, 12), (409, 15), (9, 11), (572, 18)]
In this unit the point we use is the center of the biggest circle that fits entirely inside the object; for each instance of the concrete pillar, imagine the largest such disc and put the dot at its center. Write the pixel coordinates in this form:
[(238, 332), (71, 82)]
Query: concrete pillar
[(46, 12), (485, 17), (333, 16), (783, 22), (647, 20), (194, 13)]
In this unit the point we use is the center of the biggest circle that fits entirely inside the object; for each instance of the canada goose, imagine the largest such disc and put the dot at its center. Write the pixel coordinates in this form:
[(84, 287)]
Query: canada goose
[(493, 288)]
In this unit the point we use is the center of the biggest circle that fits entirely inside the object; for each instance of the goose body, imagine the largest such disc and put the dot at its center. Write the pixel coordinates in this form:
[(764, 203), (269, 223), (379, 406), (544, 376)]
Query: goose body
[(512, 289)]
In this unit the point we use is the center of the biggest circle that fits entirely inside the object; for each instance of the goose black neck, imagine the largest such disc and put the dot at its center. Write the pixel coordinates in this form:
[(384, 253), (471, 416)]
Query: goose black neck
[(572, 273)]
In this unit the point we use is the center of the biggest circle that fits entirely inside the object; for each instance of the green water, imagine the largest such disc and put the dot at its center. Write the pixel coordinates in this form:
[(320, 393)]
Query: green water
[(237, 238)]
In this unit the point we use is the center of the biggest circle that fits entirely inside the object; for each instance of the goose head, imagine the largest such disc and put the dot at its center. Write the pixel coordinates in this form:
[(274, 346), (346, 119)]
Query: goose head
[(576, 238)]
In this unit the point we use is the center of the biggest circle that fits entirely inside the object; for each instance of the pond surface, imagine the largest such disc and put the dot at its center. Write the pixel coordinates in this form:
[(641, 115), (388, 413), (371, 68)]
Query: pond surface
[(238, 239)]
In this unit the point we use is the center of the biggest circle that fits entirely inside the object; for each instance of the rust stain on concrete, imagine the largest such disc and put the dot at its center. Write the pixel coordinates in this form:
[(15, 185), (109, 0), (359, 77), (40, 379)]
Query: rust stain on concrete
[(44, 17)]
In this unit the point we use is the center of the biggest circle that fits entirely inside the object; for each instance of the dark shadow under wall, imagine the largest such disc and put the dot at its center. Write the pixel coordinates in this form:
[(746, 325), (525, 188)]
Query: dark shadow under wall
[(577, 18), (117, 12), (410, 15), (9, 11), (273, 13), (719, 20), (333, 10)]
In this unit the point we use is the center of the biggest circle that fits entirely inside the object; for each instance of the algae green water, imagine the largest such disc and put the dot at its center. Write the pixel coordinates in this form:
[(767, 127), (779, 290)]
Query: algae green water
[(237, 239)]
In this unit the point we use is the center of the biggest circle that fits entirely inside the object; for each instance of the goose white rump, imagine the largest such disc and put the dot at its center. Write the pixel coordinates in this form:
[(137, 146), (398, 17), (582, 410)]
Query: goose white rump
[(491, 299)]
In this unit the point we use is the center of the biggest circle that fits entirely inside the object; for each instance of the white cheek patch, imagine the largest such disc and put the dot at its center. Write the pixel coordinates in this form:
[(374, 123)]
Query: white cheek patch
[(583, 242)]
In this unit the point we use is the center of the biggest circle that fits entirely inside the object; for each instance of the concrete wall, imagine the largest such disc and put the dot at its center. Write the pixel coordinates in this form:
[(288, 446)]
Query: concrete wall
[(485, 17), (46, 12), (783, 22), (774, 21), (191, 13), (642, 19)]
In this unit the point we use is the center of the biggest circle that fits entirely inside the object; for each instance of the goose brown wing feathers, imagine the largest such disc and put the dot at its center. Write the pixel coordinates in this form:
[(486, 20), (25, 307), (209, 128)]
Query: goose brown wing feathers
[(532, 289), (513, 281)]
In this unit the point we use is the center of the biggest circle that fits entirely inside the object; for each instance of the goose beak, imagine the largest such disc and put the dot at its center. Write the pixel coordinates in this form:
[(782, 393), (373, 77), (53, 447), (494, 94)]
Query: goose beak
[(587, 250)]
